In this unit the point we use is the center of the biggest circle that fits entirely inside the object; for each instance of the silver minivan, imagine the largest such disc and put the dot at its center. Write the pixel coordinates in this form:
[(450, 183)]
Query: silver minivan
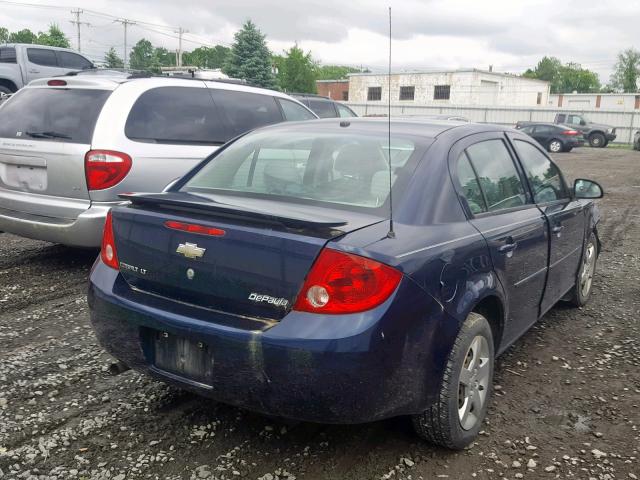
[(69, 145)]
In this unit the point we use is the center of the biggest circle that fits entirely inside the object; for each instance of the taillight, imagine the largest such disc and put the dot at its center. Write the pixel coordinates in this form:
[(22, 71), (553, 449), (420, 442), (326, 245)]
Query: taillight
[(108, 247), (105, 168), (57, 83), (344, 283), (194, 228), (570, 132)]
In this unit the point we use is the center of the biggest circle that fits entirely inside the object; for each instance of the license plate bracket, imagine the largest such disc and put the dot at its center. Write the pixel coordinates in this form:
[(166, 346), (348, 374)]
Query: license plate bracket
[(183, 357)]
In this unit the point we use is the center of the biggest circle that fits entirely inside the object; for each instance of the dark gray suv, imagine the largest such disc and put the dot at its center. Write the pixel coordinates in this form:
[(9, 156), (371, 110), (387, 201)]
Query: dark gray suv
[(324, 107)]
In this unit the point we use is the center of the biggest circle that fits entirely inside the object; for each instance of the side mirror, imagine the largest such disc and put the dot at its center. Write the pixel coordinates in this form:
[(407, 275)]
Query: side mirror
[(583, 123), (587, 189)]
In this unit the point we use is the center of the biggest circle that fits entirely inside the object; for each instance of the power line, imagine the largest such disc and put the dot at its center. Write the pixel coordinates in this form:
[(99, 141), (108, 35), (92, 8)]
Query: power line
[(125, 23), (78, 23)]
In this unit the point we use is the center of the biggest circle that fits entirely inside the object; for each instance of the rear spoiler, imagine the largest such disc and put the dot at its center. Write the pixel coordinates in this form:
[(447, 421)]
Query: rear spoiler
[(193, 202)]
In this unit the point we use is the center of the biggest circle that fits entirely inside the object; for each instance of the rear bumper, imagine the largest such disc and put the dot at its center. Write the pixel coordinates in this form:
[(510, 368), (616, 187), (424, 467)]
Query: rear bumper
[(84, 231), (327, 369), (610, 137)]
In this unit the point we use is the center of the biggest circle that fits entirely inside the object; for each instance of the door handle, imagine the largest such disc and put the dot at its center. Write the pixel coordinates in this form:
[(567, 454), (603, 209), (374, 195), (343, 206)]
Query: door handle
[(508, 247), (557, 229), (34, 71)]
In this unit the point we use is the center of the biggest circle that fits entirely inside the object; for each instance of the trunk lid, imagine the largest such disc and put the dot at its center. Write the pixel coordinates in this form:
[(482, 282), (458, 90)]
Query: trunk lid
[(254, 269)]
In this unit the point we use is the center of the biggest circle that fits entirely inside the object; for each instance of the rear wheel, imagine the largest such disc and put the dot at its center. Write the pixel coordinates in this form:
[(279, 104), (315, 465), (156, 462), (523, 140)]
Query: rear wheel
[(568, 149), (4, 89), (597, 140), (584, 281), (555, 146), (456, 418)]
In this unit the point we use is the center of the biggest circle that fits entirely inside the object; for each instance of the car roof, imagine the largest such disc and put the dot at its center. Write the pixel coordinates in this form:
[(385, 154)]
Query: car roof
[(111, 79), (35, 45), (419, 127)]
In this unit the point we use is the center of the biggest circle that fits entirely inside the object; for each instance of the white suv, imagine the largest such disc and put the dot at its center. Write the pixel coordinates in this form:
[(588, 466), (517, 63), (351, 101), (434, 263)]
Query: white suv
[(69, 145)]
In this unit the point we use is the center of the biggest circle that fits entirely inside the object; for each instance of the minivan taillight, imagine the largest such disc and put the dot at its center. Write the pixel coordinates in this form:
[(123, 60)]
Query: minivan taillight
[(108, 248), (345, 283), (570, 132), (105, 168)]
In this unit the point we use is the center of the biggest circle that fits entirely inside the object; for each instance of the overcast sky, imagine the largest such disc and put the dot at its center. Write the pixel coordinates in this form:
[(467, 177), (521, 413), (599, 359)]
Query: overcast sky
[(428, 34)]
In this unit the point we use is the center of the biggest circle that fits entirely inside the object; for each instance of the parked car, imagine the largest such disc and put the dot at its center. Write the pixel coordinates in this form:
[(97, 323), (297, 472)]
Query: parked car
[(555, 138), (70, 145), (598, 135), (636, 140), (270, 278), (324, 107), (4, 97), (22, 63), (444, 116)]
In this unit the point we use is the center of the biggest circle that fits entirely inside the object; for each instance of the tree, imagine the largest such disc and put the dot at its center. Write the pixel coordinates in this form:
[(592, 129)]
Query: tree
[(296, 71), (23, 36), (334, 72), (564, 78), (163, 58), (574, 78), (112, 60), (206, 57), (4, 35), (54, 37), (250, 58), (142, 56), (627, 70)]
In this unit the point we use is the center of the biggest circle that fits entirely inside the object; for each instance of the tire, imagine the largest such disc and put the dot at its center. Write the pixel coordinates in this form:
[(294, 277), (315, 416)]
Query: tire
[(4, 89), (568, 149), (456, 417), (555, 146), (581, 292), (597, 140)]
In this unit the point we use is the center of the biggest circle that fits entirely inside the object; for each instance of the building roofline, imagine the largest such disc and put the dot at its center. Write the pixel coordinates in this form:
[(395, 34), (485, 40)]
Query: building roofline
[(340, 80), (459, 70), (621, 94)]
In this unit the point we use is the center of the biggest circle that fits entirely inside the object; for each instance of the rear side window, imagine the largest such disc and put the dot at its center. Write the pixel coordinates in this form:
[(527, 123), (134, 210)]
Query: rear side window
[(8, 55), (246, 111), (322, 108), (344, 111), (52, 114), (497, 175), (176, 115), (544, 130), (74, 61), (294, 112), (42, 56), (544, 176), (470, 185)]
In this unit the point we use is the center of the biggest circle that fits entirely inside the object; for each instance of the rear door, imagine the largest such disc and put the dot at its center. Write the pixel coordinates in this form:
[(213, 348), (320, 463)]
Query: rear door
[(72, 61), (44, 136), (502, 211), (42, 62), (566, 219), (542, 133)]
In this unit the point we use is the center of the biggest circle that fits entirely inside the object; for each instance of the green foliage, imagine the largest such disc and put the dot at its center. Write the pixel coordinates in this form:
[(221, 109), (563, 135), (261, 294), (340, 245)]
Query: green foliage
[(334, 72), (206, 57), (163, 58), (4, 35), (54, 37), (565, 78), (296, 71), (627, 70), (142, 56), (23, 36), (250, 58), (112, 60)]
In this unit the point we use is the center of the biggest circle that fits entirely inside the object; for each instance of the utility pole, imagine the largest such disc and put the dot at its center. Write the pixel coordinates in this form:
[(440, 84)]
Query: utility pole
[(181, 31), (125, 23), (77, 23)]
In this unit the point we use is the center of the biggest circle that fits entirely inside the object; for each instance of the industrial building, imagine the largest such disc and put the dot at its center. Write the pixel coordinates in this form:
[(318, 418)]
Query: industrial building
[(596, 101), (456, 87), (334, 89)]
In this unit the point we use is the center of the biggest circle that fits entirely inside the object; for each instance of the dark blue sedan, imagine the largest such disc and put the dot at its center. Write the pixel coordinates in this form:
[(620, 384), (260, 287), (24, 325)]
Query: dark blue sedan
[(271, 277)]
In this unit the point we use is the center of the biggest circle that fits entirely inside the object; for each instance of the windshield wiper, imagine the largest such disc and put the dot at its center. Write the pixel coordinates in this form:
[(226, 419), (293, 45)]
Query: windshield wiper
[(48, 134)]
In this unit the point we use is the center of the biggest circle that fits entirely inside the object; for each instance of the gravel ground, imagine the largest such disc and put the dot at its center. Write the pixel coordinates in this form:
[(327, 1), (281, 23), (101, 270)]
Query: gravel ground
[(566, 404)]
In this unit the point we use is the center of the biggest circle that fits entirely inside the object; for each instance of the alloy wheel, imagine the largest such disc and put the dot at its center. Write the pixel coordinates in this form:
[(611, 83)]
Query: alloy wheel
[(555, 146), (588, 269), (473, 387)]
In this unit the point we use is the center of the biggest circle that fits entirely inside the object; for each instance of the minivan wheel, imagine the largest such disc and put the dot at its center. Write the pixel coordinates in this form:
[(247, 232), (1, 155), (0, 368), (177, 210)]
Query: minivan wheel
[(4, 89), (581, 292), (455, 419), (555, 146), (597, 140)]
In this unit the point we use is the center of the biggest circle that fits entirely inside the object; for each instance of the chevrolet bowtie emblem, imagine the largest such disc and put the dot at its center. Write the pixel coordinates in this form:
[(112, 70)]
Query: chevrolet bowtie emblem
[(190, 250)]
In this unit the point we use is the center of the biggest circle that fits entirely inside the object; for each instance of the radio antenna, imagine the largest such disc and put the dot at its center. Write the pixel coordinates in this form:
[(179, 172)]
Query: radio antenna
[(391, 233)]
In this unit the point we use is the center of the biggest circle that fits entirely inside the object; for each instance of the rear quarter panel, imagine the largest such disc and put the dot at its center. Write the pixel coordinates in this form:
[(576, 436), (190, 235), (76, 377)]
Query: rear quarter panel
[(154, 166)]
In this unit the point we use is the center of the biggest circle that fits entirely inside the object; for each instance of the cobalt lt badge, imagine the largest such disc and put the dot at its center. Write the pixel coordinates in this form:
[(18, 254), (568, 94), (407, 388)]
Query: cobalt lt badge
[(190, 273)]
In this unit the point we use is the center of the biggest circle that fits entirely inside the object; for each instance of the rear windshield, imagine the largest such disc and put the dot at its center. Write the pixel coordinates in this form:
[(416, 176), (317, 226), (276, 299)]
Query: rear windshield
[(346, 169), (52, 114)]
